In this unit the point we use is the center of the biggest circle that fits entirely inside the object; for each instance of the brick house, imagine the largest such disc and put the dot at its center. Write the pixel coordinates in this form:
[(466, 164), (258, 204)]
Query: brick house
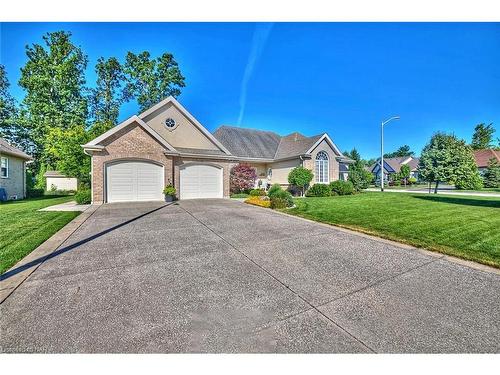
[(167, 145)]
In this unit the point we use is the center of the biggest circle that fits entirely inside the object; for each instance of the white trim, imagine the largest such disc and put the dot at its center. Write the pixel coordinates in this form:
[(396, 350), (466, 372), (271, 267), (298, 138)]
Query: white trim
[(330, 142), (179, 106), (6, 166), (93, 145)]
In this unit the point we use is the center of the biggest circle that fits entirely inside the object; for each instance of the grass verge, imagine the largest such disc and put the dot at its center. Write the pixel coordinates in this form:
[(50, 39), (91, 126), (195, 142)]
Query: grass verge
[(24, 228), (466, 227)]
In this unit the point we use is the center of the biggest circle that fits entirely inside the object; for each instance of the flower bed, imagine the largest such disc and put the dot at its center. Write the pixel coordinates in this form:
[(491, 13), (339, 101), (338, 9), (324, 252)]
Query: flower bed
[(258, 201)]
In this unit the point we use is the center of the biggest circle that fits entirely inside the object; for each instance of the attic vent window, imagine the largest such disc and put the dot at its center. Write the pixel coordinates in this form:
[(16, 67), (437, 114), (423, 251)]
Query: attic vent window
[(170, 123)]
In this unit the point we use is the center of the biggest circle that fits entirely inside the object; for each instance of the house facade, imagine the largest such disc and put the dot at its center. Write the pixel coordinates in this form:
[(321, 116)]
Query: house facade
[(12, 171), (393, 166), (482, 158), (167, 145)]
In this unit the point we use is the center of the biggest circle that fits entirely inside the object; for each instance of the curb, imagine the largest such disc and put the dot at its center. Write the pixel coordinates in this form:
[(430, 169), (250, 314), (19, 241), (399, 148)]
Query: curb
[(434, 254), (7, 286)]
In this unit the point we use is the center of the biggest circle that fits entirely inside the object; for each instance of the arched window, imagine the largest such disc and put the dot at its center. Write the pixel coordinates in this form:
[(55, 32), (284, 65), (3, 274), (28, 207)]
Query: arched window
[(321, 170)]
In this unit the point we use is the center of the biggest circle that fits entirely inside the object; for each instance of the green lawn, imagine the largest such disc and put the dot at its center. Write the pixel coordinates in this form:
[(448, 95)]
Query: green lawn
[(23, 228), (467, 227)]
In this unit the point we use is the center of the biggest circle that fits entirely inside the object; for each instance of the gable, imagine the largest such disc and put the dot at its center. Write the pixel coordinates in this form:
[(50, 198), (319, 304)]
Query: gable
[(186, 133), (324, 145), (132, 138)]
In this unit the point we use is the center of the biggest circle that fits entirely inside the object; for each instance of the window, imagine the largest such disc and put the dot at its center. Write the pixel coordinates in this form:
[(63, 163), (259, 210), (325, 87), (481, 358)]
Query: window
[(170, 123), (4, 167), (269, 173), (321, 170)]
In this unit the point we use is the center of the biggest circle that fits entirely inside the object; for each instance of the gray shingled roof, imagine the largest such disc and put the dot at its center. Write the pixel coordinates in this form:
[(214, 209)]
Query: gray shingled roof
[(248, 143), (295, 144), (6, 148), (251, 143)]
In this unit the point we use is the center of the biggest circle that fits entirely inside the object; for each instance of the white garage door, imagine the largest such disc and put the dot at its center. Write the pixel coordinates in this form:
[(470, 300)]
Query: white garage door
[(134, 181), (200, 181)]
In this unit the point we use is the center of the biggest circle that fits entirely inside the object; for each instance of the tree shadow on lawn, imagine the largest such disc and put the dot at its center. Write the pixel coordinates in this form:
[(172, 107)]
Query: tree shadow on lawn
[(460, 201)]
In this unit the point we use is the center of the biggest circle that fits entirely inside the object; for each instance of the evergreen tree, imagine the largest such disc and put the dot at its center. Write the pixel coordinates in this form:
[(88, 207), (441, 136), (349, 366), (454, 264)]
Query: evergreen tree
[(400, 152), (491, 176), (483, 136)]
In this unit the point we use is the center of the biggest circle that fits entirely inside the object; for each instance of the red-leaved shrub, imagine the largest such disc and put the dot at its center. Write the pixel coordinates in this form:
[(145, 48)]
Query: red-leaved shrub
[(242, 178)]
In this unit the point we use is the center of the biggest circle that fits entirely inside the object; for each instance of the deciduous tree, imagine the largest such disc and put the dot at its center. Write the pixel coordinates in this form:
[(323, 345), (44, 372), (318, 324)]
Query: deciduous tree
[(10, 129), (108, 95), (54, 79), (447, 159), (300, 177), (152, 80)]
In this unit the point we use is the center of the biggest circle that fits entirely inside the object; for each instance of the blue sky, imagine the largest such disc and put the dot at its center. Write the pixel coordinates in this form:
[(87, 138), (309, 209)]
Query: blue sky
[(340, 78)]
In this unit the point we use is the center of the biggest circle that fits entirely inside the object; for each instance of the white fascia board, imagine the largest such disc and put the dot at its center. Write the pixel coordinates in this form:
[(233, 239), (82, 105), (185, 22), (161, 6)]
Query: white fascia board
[(329, 141), (93, 145), (179, 106)]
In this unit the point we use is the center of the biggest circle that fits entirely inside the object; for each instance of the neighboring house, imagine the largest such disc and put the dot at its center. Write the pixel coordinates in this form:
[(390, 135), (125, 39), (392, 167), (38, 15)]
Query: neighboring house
[(57, 181), (167, 145), (393, 165), (482, 158), (12, 171)]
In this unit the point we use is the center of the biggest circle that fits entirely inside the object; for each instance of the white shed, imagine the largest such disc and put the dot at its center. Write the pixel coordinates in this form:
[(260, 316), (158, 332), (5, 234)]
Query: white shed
[(57, 181)]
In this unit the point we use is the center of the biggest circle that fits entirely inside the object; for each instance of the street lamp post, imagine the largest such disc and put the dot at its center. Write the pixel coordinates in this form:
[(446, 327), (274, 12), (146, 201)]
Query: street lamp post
[(382, 150)]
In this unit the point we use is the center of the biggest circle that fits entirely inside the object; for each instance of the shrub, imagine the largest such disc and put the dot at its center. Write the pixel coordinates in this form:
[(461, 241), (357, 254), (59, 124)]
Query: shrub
[(56, 192), (341, 187), (257, 192), (170, 190), (300, 177), (83, 196), (412, 180), (258, 201), (281, 196), (273, 189), (242, 178), (34, 193), (319, 190)]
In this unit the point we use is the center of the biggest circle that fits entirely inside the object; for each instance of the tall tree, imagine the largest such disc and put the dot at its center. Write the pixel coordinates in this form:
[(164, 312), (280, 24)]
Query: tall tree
[(53, 78), (10, 128), (152, 80), (400, 152), (448, 159), (108, 95), (483, 136)]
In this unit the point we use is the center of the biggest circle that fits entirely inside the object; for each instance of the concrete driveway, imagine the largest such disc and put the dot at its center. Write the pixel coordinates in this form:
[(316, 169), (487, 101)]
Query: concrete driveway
[(222, 276)]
